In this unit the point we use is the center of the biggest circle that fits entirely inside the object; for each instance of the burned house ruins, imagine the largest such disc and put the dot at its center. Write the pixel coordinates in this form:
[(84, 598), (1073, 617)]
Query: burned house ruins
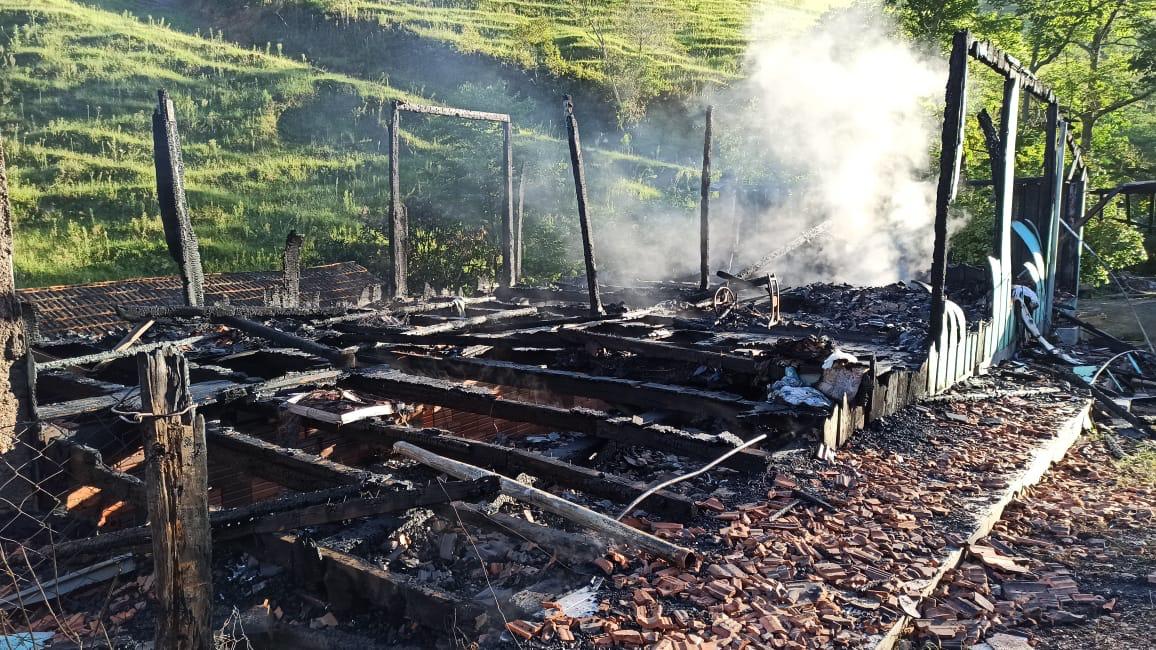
[(315, 456)]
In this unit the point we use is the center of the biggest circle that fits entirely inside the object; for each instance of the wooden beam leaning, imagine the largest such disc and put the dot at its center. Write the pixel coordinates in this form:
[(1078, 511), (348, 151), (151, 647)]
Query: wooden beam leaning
[(511, 461), (583, 216), (170, 173), (612, 528), (176, 475), (110, 355), (393, 384), (950, 159), (340, 358), (704, 205)]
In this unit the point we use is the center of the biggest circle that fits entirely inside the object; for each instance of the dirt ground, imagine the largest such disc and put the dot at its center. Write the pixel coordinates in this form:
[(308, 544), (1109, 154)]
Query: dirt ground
[(1114, 315)]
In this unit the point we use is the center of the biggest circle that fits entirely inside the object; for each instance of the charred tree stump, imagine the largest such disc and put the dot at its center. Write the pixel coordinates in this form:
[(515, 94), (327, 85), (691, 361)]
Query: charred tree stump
[(583, 217), (950, 159), (398, 221), (509, 270), (16, 403), (170, 170), (176, 479), (704, 205)]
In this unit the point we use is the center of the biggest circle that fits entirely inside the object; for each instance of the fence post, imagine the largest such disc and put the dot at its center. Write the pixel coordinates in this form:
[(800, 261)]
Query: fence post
[(704, 205), (176, 478)]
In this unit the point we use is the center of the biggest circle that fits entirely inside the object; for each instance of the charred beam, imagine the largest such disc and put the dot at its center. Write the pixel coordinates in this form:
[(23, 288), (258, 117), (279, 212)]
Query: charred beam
[(170, 171), (292, 468), (452, 112), (343, 576), (136, 313), (583, 217), (950, 159), (509, 272), (111, 355), (340, 358), (392, 384), (613, 529), (704, 205), (466, 323), (291, 270), (510, 461), (398, 220)]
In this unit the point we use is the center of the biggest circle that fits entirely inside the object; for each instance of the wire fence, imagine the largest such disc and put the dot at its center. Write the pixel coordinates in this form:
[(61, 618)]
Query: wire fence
[(44, 597)]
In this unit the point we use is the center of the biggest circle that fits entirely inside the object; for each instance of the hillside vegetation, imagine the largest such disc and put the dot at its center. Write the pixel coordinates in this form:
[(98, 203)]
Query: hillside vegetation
[(271, 144)]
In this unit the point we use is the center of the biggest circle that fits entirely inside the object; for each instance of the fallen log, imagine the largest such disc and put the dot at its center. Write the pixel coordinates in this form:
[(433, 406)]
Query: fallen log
[(599, 523)]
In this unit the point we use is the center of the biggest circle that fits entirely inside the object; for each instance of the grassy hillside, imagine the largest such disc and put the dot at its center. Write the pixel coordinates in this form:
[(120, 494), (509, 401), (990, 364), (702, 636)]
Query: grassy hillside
[(637, 52), (271, 143)]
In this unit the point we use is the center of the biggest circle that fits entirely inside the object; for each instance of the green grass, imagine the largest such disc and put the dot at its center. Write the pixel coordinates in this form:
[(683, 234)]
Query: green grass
[(709, 36), (271, 144)]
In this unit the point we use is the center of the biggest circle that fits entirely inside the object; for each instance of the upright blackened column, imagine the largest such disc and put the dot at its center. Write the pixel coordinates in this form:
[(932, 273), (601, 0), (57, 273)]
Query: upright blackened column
[(398, 221), (519, 219), (291, 267), (170, 169), (509, 261), (950, 158), (704, 205), (583, 217)]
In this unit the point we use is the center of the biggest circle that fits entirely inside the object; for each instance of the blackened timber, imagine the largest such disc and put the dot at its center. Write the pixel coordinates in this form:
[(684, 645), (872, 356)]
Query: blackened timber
[(519, 218), (663, 350), (170, 173), (452, 112), (204, 393), (136, 313), (950, 158), (510, 461), (576, 547), (237, 523), (583, 216), (393, 384), (343, 575), (398, 229), (704, 205), (292, 468), (339, 358), (291, 270), (1009, 67), (86, 467), (176, 480), (609, 389), (110, 355), (465, 323), (509, 270)]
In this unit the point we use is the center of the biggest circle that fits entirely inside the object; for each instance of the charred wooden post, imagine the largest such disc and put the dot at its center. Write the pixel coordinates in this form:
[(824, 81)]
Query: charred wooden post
[(398, 221), (509, 271), (949, 163), (1054, 177), (519, 218), (1006, 182), (170, 170), (704, 205), (991, 143), (16, 383), (583, 216), (176, 478), (291, 267)]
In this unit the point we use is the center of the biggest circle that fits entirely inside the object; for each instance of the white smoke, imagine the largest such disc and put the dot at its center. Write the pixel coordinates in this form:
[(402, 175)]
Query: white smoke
[(843, 115)]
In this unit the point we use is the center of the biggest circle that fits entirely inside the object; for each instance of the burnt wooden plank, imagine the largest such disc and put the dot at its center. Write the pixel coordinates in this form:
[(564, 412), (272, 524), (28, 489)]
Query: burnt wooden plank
[(579, 171), (292, 468), (393, 384), (447, 111), (510, 462)]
